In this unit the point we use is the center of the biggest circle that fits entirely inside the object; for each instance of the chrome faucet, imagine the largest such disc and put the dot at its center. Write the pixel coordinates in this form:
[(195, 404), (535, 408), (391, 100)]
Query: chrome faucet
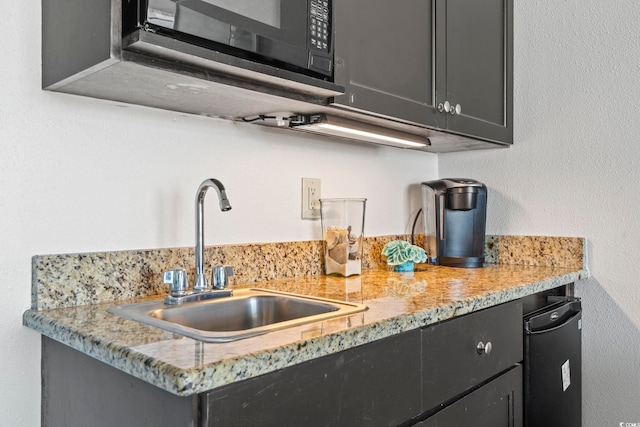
[(201, 280)]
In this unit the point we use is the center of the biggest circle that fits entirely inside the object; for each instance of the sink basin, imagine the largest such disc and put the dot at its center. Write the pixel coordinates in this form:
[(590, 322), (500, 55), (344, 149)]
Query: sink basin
[(247, 313)]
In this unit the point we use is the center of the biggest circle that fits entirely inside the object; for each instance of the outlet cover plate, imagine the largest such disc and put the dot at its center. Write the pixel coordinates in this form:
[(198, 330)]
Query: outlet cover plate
[(310, 198)]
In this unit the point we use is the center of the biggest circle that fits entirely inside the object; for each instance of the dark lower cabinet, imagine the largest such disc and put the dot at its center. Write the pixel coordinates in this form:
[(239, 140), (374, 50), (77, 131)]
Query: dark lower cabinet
[(80, 391), (496, 404), (437, 376), (471, 373), (453, 361), (377, 384)]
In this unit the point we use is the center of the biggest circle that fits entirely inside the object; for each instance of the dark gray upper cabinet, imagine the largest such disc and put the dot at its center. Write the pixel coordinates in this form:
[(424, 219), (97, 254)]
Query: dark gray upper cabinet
[(445, 64), (474, 67), (398, 60), (384, 58)]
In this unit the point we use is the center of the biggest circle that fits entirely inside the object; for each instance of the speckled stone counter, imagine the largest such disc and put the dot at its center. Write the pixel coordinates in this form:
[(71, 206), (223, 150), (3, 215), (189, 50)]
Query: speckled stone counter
[(397, 302), (69, 280)]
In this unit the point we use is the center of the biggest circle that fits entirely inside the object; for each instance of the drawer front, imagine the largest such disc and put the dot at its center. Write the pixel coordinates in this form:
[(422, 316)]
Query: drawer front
[(451, 360)]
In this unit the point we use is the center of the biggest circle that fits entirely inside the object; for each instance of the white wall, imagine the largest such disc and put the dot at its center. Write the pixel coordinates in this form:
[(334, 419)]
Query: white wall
[(82, 175), (573, 171)]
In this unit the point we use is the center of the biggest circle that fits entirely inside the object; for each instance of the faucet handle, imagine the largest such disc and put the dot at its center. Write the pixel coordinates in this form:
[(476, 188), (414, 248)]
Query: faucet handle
[(178, 280), (220, 275)]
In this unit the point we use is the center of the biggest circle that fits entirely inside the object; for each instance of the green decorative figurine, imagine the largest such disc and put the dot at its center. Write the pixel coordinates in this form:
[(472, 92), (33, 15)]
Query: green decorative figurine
[(402, 255)]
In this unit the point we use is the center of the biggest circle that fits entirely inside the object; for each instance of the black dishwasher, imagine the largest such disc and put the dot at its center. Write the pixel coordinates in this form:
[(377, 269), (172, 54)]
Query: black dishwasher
[(553, 364)]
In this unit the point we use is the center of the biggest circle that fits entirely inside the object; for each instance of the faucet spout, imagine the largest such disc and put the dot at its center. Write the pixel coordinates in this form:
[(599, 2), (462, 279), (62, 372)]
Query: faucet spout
[(201, 280)]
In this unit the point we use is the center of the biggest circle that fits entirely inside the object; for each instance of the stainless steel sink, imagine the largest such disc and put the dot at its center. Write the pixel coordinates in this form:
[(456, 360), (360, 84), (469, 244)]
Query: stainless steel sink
[(247, 313)]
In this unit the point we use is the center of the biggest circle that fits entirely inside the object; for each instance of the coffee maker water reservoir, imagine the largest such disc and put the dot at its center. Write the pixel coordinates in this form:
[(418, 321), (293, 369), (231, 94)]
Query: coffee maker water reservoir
[(454, 212)]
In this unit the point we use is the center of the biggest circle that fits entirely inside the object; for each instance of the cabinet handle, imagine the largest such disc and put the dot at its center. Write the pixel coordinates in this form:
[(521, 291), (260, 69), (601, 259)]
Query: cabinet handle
[(484, 348), (455, 110), (444, 108)]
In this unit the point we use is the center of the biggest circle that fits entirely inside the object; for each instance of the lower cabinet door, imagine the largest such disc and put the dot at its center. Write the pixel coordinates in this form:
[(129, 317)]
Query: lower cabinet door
[(496, 404), (373, 385)]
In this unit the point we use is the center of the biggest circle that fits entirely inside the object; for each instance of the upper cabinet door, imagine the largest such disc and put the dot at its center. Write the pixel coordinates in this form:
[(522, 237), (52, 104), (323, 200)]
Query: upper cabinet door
[(385, 58), (478, 84)]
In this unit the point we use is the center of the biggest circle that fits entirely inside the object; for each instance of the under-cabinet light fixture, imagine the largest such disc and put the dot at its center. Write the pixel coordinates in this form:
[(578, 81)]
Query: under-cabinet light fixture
[(337, 126)]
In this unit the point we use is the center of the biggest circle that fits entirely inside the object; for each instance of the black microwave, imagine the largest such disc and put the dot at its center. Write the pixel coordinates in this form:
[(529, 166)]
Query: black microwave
[(289, 34)]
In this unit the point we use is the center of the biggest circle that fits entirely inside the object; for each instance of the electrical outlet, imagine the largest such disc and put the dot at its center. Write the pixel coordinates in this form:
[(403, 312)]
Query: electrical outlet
[(310, 198)]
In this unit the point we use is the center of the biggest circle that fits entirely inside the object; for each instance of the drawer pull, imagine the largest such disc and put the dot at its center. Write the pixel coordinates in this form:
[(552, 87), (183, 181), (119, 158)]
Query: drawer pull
[(484, 348)]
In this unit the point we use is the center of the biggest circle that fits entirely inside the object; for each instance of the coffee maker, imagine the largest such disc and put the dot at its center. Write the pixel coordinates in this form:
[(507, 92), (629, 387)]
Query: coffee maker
[(455, 213)]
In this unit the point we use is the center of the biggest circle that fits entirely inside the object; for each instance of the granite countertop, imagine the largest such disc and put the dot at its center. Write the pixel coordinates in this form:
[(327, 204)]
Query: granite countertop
[(397, 302)]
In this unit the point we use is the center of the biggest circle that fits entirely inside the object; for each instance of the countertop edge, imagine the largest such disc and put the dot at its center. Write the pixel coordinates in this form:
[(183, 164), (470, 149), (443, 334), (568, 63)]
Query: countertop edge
[(187, 382)]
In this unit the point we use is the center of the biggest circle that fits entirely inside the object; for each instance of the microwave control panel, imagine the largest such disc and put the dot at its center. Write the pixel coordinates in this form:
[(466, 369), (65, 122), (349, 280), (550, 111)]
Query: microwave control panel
[(319, 24)]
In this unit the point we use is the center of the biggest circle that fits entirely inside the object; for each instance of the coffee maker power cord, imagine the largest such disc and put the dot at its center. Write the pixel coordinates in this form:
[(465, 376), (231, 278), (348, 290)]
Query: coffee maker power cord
[(413, 228)]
